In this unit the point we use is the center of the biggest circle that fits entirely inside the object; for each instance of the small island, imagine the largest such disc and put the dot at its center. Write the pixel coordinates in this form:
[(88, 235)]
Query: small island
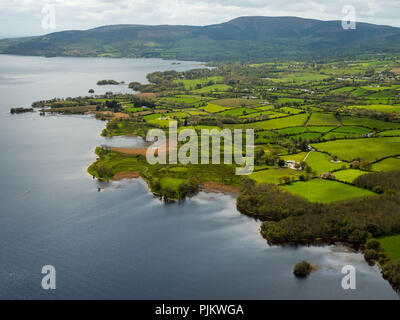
[(303, 269), (107, 82), (20, 110)]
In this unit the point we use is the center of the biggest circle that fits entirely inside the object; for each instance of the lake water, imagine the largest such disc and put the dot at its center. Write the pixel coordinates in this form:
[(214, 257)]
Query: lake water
[(123, 243)]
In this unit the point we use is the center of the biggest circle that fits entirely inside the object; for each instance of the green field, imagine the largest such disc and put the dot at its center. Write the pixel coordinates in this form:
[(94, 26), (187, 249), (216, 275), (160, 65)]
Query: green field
[(298, 157), (352, 129), (267, 107), (238, 112), (270, 114), (292, 130), (323, 119), (325, 191), (340, 135), (290, 100), (389, 133), (379, 107), (348, 175), (319, 129), (291, 110), (321, 162), (307, 136), (262, 137), (391, 246), (214, 87), (236, 103), (134, 109), (188, 99), (299, 77), (152, 116), (368, 122), (370, 149), (291, 121), (213, 108), (196, 112), (171, 183), (190, 84), (273, 175), (387, 165)]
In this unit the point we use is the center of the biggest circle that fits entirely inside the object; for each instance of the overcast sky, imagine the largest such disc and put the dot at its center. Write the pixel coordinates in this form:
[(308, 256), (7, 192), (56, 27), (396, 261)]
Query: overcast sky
[(24, 17)]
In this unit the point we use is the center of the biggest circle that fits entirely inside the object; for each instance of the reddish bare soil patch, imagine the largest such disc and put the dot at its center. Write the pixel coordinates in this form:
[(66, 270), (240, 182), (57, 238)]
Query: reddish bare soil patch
[(142, 113), (212, 186), (126, 175), (118, 115), (146, 95), (130, 151), (134, 151)]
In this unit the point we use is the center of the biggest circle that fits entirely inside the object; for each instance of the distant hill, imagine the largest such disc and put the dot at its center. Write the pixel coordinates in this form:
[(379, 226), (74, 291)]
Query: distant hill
[(244, 38)]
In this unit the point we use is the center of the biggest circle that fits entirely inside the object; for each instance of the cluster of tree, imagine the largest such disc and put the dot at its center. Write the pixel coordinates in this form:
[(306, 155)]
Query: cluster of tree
[(104, 172), (361, 164), (63, 103), (142, 102), (113, 105), (189, 188), (137, 86), (291, 219), (199, 73), (384, 116), (20, 110), (159, 77), (352, 222), (302, 269), (380, 181), (391, 272), (269, 202)]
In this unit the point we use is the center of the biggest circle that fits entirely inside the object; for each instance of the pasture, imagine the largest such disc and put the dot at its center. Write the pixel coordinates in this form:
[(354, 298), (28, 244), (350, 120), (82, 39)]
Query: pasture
[(379, 108), (391, 246), (368, 122), (321, 162), (326, 191), (213, 108), (388, 164), (190, 84), (370, 149), (290, 121), (348, 175), (273, 175), (323, 119)]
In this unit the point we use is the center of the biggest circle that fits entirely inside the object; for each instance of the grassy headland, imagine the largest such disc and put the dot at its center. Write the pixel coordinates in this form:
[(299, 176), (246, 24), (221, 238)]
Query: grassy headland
[(323, 166)]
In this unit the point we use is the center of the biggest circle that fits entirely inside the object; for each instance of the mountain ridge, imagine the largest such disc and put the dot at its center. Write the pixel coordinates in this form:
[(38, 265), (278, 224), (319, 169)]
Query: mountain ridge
[(240, 39)]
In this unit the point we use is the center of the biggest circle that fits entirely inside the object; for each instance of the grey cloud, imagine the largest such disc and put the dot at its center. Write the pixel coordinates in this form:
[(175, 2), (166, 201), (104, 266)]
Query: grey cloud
[(23, 16)]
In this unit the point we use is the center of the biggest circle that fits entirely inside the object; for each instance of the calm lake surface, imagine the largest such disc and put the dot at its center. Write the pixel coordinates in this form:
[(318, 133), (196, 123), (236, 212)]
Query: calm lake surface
[(124, 243)]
